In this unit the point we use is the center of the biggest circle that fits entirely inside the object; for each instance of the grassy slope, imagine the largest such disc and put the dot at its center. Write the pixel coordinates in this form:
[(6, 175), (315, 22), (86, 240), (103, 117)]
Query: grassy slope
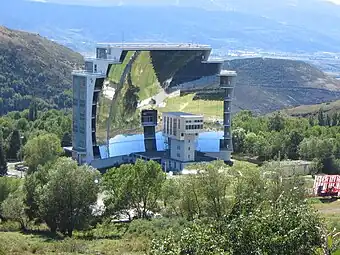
[(15, 243), (117, 70), (144, 76), (306, 110), (210, 109)]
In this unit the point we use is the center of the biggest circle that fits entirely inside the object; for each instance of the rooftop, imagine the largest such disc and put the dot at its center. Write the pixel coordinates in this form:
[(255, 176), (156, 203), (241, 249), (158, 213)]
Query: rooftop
[(86, 73), (182, 114), (154, 46), (227, 73)]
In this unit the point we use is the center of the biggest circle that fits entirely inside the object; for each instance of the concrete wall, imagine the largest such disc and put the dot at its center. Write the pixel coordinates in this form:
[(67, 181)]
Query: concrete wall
[(109, 162), (183, 150)]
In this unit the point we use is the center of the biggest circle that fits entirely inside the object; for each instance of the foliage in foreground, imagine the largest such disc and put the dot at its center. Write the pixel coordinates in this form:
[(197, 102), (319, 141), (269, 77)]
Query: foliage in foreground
[(263, 216), (62, 195), (133, 187), (41, 150), (7, 186)]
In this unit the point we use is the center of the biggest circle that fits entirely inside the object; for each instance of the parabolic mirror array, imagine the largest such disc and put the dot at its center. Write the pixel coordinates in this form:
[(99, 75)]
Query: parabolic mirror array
[(134, 77)]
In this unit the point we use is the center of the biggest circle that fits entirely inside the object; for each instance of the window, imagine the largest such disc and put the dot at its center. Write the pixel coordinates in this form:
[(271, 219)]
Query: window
[(178, 147), (171, 126), (179, 124), (95, 68), (188, 148), (178, 155), (175, 127), (188, 156), (182, 134), (188, 141), (164, 124)]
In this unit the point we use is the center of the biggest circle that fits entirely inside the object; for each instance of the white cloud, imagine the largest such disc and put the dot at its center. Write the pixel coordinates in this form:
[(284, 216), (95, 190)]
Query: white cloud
[(334, 1)]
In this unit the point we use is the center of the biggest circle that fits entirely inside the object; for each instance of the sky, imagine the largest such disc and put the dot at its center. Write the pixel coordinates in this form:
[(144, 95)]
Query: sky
[(105, 2), (120, 2)]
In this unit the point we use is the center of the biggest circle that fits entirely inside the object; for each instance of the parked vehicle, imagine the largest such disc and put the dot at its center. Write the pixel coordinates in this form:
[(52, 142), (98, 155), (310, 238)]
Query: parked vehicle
[(20, 167)]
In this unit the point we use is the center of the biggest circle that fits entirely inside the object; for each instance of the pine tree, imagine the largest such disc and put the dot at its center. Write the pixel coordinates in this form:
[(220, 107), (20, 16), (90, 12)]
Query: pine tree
[(33, 111), (335, 119), (66, 140), (328, 120), (321, 118), (3, 161), (311, 121), (14, 145)]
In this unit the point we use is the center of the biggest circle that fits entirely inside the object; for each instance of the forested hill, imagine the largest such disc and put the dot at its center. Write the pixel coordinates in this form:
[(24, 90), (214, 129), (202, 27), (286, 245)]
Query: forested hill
[(266, 85), (32, 66)]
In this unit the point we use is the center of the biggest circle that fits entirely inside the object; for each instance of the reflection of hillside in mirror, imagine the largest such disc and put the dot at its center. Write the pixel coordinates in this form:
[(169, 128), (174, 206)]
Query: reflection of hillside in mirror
[(143, 80)]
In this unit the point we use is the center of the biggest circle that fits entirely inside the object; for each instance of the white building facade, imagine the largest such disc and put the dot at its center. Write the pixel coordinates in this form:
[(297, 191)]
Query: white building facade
[(181, 131)]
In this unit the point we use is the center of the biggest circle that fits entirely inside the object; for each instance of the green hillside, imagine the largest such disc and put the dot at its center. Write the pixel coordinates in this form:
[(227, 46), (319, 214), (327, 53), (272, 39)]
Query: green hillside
[(144, 76), (32, 66), (210, 109), (309, 110)]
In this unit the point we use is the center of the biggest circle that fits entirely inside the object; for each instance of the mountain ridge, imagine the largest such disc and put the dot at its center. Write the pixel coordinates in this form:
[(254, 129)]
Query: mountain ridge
[(32, 66), (304, 27)]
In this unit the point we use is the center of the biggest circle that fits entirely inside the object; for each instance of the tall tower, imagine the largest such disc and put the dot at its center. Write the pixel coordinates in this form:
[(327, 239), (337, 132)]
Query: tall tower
[(227, 83), (87, 86), (149, 123), (181, 131)]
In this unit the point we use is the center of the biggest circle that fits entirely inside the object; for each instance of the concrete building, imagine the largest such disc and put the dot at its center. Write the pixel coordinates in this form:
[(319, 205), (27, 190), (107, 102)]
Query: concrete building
[(227, 83), (149, 123), (181, 129), (87, 85)]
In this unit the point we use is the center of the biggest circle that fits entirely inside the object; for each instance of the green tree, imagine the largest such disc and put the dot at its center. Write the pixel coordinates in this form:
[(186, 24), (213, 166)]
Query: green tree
[(3, 161), (40, 150), (64, 194), (292, 144), (22, 125), (171, 193), (321, 117), (134, 187), (7, 186), (13, 208), (214, 182), (276, 122), (311, 121), (66, 140), (335, 118), (33, 111), (328, 120), (256, 222), (239, 137), (14, 145), (250, 143)]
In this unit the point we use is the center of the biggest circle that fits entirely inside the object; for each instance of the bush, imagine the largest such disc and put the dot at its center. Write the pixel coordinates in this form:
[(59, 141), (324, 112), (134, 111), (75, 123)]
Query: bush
[(71, 246), (155, 228), (9, 226)]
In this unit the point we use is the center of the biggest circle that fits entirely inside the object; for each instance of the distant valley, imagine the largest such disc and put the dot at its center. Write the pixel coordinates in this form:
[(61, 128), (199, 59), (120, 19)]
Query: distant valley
[(305, 26), (34, 67)]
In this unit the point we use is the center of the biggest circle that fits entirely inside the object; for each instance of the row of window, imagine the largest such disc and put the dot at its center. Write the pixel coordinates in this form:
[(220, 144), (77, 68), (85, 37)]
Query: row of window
[(192, 127), (194, 121), (148, 119), (171, 125)]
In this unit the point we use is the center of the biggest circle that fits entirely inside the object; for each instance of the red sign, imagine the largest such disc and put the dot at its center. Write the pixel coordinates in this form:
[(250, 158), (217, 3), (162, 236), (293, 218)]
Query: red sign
[(327, 185)]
